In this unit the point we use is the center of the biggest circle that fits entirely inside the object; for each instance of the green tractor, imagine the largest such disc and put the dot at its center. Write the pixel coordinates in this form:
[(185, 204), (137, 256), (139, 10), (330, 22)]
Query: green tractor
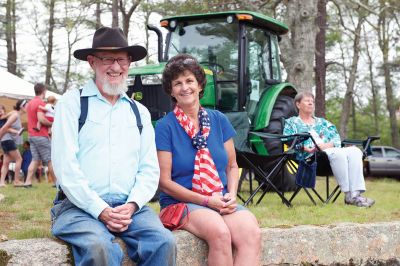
[(240, 54)]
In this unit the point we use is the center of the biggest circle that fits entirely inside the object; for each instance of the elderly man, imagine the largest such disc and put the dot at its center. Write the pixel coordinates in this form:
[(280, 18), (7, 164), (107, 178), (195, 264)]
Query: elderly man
[(106, 163)]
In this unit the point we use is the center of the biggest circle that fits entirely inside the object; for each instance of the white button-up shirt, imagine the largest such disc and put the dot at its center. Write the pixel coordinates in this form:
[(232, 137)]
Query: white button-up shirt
[(108, 158)]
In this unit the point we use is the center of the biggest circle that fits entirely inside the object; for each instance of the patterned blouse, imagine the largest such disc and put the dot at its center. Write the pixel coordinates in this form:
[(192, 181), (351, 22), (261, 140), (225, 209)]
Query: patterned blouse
[(322, 131)]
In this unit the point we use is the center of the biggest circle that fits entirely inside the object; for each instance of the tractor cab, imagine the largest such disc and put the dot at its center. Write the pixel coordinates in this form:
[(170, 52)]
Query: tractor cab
[(240, 54)]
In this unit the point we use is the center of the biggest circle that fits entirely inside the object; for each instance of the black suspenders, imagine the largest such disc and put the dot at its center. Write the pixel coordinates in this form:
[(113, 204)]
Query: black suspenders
[(85, 107)]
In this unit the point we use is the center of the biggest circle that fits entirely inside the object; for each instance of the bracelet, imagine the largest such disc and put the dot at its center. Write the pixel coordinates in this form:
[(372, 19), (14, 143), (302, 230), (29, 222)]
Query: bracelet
[(205, 201)]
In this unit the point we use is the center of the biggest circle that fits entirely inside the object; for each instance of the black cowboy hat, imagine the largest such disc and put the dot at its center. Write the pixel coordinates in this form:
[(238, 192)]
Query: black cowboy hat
[(111, 39)]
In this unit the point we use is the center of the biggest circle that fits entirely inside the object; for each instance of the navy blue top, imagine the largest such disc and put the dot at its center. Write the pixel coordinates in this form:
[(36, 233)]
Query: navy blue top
[(171, 137), (3, 122), (26, 160)]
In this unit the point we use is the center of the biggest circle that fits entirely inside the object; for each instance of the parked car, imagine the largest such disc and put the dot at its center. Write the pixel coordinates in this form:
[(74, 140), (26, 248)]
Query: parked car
[(384, 161)]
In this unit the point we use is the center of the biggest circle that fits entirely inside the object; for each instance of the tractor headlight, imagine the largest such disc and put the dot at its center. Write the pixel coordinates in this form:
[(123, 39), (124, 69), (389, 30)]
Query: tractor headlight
[(172, 24), (130, 81), (229, 19), (155, 79)]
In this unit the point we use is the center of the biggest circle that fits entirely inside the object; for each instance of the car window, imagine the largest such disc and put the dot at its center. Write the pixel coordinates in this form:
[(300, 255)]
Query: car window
[(391, 152), (376, 152)]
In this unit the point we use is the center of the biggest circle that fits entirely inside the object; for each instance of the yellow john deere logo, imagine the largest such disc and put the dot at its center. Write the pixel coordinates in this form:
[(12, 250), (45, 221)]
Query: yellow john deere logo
[(138, 96)]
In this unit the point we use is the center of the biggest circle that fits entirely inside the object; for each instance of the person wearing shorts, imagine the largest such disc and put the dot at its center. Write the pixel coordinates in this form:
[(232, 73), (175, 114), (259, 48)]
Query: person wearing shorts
[(198, 166), (39, 139), (9, 141)]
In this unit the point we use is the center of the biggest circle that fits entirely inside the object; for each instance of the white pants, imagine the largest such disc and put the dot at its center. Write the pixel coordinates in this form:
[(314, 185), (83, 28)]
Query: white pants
[(347, 167)]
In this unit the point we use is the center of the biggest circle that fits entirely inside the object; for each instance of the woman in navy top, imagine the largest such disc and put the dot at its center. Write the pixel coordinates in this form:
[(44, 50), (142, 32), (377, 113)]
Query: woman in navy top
[(198, 166)]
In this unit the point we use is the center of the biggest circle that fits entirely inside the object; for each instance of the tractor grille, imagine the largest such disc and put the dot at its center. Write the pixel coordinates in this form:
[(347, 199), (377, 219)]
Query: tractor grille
[(154, 98)]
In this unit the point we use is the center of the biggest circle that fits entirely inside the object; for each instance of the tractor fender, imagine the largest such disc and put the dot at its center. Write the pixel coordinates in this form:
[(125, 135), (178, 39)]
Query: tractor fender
[(267, 102)]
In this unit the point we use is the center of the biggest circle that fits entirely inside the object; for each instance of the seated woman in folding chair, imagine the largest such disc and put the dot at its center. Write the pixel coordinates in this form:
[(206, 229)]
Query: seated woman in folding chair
[(198, 167), (346, 162)]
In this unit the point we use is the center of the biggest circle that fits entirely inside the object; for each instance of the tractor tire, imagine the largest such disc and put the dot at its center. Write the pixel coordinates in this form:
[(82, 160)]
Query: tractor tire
[(284, 108)]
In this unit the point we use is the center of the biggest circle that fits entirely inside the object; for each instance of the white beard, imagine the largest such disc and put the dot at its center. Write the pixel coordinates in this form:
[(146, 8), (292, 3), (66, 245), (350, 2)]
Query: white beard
[(114, 89)]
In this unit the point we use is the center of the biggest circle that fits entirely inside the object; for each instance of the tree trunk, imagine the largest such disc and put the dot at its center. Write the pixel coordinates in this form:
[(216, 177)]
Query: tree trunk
[(353, 119), (98, 15), (126, 16), (68, 71), (114, 12), (320, 68), (11, 42), (384, 46), (373, 90), (50, 43), (348, 97), (299, 46)]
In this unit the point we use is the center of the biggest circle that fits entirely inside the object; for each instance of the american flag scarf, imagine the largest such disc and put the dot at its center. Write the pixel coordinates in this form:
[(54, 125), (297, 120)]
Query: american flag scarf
[(205, 178)]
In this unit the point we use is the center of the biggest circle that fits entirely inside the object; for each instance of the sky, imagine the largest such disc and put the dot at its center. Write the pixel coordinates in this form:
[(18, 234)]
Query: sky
[(31, 57)]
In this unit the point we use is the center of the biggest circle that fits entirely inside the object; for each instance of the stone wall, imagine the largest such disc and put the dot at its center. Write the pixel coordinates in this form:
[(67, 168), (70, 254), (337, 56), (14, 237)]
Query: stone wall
[(342, 244)]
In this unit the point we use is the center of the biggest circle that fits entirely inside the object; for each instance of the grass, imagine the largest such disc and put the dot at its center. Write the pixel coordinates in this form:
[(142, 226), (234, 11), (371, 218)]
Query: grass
[(25, 213), (272, 213)]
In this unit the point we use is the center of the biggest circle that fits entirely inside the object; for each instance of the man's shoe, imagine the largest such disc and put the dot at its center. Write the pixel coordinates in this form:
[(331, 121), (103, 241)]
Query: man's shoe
[(360, 201)]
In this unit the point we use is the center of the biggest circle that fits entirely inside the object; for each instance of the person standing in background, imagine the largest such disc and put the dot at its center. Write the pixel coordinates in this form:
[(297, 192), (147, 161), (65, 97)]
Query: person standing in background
[(39, 140), (9, 142)]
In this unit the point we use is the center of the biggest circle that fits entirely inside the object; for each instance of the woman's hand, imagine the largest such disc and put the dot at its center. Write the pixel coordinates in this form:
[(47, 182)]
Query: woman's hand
[(324, 146), (309, 150), (231, 204), (216, 202)]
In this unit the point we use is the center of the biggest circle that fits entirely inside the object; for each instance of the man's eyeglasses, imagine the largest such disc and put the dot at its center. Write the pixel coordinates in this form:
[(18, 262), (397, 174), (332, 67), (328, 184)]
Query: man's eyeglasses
[(110, 60)]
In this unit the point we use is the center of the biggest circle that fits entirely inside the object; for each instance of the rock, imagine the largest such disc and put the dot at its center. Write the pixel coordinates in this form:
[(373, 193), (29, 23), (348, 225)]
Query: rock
[(3, 238), (40, 251), (342, 244)]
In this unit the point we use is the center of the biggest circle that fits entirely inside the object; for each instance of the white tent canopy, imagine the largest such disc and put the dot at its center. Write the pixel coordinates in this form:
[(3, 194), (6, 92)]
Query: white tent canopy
[(14, 87)]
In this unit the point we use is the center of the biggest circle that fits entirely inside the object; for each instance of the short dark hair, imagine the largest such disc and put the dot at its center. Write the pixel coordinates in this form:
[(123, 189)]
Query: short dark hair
[(39, 88), (19, 104), (176, 66)]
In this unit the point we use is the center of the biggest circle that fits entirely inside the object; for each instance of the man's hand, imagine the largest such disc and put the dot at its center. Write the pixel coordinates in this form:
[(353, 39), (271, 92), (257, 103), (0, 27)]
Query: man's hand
[(127, 208), (119, 218)]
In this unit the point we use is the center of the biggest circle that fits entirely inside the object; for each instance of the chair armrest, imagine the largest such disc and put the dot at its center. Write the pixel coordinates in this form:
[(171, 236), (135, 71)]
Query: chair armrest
[(365, 144), (294, 139), (265, 135)]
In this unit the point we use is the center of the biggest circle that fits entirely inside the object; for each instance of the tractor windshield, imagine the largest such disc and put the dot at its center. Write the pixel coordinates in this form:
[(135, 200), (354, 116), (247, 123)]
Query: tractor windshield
[(262, 64), (215, 45)]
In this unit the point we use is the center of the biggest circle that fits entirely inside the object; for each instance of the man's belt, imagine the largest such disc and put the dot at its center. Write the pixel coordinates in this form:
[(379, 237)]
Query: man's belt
[(60, 195)]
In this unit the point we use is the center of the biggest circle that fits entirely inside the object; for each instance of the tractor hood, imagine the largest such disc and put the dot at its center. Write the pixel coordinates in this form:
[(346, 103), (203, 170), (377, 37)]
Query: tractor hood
[(147, 70), (157, 69)]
